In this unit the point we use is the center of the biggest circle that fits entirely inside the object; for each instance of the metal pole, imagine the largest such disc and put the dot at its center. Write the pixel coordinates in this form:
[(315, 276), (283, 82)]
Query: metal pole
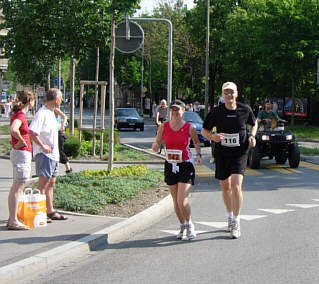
[(170, 51), (207, 58), (142, 78)]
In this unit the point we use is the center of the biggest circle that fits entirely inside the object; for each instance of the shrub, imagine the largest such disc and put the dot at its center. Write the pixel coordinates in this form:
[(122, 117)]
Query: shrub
[(87, 135), (90, 191), (72, 146)]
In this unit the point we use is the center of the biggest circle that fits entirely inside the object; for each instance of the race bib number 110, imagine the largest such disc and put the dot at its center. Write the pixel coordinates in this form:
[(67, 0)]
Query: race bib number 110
[(231, 140)]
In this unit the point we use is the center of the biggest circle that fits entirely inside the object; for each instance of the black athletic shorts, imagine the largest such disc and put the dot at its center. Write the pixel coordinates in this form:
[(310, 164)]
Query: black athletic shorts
[(185, 173), (225, 166)]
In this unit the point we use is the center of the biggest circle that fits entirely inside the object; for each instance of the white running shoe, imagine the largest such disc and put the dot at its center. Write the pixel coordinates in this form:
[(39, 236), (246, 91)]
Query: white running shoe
[(229, 226), (190, 231), (180, 235), (235, 230)]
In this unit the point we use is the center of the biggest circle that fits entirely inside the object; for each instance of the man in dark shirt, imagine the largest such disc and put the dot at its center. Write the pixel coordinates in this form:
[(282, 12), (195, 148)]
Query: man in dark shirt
[(231, 149)]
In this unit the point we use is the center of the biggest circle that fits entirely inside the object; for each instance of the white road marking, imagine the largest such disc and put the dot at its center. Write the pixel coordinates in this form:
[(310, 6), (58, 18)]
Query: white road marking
[(251, 217), (277, 211), (303, 205), (175, 232), (218, 225), (315, 199)]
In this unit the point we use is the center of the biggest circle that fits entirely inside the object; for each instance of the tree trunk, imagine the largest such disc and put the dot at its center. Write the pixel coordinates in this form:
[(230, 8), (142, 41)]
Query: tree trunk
[(72, 77), (111, 94), (96, 97), (212, 78), (48, 82)]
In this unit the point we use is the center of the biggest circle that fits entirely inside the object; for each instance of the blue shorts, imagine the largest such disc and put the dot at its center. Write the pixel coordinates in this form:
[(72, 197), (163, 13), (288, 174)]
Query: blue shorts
[(45, 166)]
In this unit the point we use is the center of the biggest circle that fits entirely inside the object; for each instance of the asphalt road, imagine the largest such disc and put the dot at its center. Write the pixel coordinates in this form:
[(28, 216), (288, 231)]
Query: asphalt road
[(279, 242)]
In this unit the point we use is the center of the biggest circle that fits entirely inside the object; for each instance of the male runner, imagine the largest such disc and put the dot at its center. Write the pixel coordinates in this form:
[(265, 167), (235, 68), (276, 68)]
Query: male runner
[(231, 149)]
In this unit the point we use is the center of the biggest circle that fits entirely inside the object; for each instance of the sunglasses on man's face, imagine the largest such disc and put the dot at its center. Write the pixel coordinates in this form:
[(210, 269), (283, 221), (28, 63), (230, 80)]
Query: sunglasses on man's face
[(228, 92)]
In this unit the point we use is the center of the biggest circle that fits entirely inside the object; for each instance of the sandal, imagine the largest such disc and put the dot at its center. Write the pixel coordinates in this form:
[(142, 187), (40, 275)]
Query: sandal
[(17, 227), (55, 215)]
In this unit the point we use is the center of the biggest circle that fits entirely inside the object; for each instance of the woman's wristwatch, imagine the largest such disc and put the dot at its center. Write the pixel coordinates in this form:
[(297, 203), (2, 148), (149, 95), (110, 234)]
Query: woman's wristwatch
[(199, 154)]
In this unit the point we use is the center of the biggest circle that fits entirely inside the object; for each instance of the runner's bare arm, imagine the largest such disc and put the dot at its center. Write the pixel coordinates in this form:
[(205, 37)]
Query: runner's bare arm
[(194, 136), (158, 140)]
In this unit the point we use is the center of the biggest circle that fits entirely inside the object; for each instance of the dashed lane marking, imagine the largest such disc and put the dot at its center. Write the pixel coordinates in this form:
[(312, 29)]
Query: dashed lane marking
[(277, 211), (250, 171), (204, 171), (309, 165), (279, 168), (303, 205)]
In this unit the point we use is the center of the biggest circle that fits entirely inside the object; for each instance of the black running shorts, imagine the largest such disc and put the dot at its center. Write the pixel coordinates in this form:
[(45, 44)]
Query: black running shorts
[(185, 173), (225, 166)]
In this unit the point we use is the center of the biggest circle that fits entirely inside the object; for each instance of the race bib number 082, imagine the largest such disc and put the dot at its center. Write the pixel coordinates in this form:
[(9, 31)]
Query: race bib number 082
[(231, 140)]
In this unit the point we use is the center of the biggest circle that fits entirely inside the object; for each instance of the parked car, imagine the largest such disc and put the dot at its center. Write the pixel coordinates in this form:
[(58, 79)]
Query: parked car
[(194, 119), (128, 118)]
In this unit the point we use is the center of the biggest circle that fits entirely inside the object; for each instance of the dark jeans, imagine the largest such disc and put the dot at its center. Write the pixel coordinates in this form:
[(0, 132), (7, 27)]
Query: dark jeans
[(63, 157)]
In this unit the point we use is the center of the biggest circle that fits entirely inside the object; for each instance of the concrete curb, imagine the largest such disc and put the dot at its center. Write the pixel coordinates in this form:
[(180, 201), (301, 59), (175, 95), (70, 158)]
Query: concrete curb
[(110, 235)]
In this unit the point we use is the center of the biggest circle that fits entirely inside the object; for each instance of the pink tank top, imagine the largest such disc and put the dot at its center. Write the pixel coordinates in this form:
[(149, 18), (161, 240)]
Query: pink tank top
[(178, 140)]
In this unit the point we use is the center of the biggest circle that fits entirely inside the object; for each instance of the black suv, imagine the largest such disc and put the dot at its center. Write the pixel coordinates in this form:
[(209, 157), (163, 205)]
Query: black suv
[(274, 142)]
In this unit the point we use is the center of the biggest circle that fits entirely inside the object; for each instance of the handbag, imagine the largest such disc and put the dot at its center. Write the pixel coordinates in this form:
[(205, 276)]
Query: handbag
[(32, 208)]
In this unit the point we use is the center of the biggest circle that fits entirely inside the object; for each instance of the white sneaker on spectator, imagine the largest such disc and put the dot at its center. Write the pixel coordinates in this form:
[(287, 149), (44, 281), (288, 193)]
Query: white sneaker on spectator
[(190, 231), (235, 230), (229, 226), (180, 235)]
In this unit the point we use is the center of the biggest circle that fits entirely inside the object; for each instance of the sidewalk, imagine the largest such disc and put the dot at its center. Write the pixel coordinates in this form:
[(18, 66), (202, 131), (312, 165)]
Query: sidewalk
[(23, 252)]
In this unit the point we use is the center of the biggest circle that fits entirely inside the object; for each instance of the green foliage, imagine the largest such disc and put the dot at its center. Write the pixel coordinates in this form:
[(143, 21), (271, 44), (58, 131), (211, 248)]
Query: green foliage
[(131, 171), (121, 153), (89, 192), (4, 129), (309, 151), (305, 132), (72, 146), (87, 135)]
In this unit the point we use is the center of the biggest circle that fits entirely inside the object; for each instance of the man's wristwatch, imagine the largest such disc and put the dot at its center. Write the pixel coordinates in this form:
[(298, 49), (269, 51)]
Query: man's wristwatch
[(252, 136)]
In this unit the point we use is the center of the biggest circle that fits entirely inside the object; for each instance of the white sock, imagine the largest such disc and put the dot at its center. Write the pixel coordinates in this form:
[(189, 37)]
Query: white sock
[(236, 219), (231, 214)]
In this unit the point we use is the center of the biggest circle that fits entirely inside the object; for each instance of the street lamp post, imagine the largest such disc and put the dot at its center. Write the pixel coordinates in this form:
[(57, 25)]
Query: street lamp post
[(207, 58)]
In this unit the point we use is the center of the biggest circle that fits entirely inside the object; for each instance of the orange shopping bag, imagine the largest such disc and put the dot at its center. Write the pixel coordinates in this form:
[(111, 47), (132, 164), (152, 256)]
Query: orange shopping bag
[(32, 208)]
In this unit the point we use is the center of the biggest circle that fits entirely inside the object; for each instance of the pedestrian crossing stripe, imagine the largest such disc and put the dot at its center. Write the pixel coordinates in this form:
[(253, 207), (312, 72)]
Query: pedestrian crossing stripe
[(315, 199), (251, 217), (218, 225), (303, 205), (277, 211)]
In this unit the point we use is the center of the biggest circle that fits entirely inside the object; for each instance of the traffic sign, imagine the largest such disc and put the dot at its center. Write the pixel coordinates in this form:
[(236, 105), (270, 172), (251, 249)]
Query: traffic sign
[(131, 43)]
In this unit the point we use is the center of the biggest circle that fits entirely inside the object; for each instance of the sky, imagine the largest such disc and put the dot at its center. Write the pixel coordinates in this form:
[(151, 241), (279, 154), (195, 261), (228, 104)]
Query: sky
[(148, 5)]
